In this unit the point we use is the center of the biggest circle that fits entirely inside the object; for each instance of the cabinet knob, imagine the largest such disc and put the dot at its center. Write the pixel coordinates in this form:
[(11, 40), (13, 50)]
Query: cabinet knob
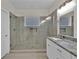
[(14, 29), (48, 44), (59, 50), (57, 58), (6, 35)]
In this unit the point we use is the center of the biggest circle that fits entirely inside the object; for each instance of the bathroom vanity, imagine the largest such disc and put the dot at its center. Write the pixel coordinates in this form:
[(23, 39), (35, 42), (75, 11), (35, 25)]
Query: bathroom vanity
[(61, 49)]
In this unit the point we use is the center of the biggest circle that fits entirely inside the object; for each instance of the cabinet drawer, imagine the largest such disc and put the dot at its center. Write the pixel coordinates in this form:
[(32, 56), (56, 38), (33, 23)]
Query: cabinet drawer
[(65, 54), (73, 57)]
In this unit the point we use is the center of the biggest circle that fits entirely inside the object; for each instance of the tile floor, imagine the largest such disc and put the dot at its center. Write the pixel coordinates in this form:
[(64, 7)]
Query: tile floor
[(26, 56)]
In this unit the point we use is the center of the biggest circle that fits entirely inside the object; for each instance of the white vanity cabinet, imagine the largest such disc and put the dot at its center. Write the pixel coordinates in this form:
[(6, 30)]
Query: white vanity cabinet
[(52, 52), (56, 52)]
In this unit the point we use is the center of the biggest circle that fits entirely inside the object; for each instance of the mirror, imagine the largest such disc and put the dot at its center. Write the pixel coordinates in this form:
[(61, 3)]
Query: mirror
[(66, 24), (65, 16)]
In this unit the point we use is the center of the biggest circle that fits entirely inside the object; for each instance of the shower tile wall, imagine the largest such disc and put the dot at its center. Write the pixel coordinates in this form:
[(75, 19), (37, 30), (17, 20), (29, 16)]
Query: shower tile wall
[(24, 38)]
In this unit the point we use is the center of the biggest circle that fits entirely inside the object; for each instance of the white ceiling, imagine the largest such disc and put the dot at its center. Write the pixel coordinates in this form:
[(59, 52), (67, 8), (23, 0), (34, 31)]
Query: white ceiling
[(32, 4), (31, 7)]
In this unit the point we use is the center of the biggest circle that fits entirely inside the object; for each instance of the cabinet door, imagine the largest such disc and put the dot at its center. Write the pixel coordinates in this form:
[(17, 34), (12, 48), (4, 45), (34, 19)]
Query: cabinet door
[(73, 57), (54, 51), (63, 53), (58, 56), (50, 49)]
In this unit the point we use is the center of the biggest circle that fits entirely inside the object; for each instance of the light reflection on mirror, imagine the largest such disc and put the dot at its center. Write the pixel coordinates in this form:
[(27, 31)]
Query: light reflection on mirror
[(43, 21)]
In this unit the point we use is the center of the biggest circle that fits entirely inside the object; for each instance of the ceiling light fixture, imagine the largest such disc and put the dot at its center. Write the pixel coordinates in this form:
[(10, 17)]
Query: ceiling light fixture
[(48, 18), (69, 6)]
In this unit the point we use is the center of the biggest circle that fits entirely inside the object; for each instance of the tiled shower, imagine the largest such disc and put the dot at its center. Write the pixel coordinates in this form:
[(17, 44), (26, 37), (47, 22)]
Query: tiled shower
[(25, 38)]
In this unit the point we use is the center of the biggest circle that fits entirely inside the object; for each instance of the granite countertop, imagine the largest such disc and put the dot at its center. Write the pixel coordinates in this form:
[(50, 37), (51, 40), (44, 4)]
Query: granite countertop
[(68, 45)]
